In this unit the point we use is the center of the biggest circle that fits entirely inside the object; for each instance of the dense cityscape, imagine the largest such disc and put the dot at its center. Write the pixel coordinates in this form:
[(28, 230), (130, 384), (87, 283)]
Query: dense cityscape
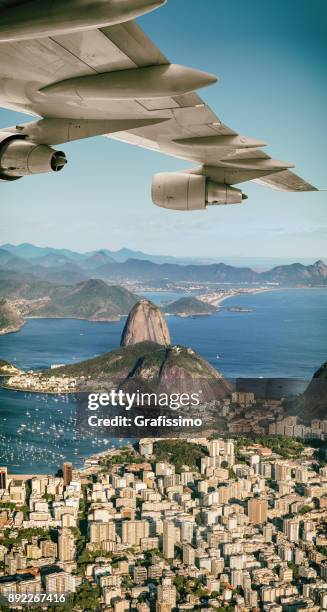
[(215, 524)]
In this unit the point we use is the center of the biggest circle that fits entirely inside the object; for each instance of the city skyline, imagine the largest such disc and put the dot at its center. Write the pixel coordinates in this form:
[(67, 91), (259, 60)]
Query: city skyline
[(286, 109), (240, 526)]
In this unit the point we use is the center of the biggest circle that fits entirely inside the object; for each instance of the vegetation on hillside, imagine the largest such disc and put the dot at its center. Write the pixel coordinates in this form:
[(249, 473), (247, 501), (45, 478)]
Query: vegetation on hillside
[(180, 453), (10, 318), (189, 306), (92, 299)]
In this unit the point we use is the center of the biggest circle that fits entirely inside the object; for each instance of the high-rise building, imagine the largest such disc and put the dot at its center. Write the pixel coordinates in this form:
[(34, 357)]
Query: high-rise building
[(243, 398), (155, 572), (282, 472), (48, 548), (68, 472), (268, 533), (3, 477), (66, 545), (102, 531), (143, 607), (134, 531), (236, 579), (215, 446), (188, 554), (120, 605), (257, 510), (166, 595), (17, 491), (163, 607), (251, 598), (33, 551), (168, 539), (291, 529), (285, 574), (29, 585), (187, 531), (60, 582), (140, 574)]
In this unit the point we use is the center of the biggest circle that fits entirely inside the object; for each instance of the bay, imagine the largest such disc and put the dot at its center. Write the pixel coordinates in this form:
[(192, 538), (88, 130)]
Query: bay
[(283, 335)]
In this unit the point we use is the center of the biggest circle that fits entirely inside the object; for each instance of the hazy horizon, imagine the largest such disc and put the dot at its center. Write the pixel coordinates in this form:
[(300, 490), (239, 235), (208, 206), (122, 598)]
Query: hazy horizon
[(232, 260)]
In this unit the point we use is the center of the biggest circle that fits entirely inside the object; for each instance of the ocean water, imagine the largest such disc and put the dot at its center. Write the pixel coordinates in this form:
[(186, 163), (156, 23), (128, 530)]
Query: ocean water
[(284, 335)]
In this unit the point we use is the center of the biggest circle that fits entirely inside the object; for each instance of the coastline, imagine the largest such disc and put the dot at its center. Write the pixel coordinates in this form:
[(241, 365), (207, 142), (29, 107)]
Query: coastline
[(104, 320), (36, 392), (12, 330), (189, 315), (214, 299), (66, 391), (6, 331)]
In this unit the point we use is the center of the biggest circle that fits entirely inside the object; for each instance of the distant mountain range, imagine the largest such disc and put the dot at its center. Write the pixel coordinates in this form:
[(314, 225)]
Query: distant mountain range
[(28, 265), (287, 276), (35, 253)]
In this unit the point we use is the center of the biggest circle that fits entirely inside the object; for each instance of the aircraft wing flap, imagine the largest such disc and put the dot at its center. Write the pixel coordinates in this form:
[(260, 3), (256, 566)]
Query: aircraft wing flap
[(286, 181), (95, 49), (190, 99), (182, 122), (63, 56), (231, 176), (41, 60), (135, 44)]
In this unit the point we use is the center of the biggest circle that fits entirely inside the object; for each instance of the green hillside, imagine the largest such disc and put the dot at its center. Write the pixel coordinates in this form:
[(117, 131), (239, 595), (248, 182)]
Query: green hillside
[(189, 306), (149, 365), (92, 299), (10, 319), (119, 363)]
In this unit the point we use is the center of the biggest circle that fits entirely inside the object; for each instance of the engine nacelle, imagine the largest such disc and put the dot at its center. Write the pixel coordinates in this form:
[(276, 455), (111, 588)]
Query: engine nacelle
[(183, 191), (222, 194), (20, 157), (40, 18)]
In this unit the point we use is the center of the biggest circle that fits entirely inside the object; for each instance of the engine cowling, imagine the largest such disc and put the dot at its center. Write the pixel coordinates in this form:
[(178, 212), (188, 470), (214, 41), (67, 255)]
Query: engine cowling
[(183, 191), (20, 157)]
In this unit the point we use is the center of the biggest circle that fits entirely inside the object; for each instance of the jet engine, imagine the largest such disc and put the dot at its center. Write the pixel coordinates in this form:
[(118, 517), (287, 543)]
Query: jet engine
[(20, 157), (183, 191)]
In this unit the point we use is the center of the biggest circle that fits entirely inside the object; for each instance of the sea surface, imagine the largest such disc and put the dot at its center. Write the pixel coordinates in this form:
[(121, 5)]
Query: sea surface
[(284, 336)]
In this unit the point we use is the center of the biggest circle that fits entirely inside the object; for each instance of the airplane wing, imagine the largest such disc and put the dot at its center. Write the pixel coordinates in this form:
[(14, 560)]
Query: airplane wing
[(285, 181), (112, 80)]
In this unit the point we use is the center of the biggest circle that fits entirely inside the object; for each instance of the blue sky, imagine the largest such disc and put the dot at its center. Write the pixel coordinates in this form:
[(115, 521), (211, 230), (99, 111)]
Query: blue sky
[(270, 60)]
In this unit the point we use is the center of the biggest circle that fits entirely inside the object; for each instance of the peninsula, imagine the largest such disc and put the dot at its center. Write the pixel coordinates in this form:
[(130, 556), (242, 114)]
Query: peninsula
[(146, 356)]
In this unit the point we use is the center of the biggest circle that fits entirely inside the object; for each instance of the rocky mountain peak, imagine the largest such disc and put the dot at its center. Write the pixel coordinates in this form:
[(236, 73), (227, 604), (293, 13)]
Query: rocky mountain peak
[(145, 323), (321, 267)]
